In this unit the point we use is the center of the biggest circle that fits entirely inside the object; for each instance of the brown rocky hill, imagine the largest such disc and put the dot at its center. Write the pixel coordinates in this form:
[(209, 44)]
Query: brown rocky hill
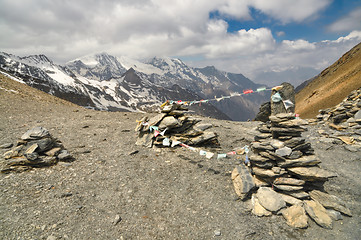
[(332, 85)]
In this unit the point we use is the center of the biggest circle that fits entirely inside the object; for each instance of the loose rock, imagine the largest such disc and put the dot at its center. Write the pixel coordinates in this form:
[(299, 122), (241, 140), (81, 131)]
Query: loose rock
[(296, 216)]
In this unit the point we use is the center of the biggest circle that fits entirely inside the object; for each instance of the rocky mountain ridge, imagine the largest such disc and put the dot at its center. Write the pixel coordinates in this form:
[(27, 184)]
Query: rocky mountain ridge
[(331, 86), (105, 82)]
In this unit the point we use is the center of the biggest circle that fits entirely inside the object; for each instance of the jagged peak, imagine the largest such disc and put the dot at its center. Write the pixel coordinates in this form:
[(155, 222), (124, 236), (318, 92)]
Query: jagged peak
[(37, 59)]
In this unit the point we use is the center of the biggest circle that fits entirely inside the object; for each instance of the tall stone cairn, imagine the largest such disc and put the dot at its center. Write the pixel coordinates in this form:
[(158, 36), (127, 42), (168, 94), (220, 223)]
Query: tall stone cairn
[(286, 176), (284, 163)]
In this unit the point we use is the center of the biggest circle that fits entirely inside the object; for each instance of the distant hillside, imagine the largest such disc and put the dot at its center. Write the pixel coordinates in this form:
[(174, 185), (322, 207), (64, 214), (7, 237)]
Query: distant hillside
[(332, 85)]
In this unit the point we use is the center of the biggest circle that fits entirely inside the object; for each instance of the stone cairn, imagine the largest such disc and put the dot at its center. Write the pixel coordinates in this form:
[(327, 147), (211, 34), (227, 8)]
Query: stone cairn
[(286, 172), (282, 174), (345, 118), (172, 127), (36, 148), (346, 114)]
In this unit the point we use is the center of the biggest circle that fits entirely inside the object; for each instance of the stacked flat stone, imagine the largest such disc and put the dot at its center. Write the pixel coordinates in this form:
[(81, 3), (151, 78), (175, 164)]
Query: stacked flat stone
[(36, 148), (286, 177), (284, 159), (346, 114), (173, 125)]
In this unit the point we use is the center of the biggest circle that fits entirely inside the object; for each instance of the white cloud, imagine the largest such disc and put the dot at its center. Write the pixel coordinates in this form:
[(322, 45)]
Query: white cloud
[(297, 45), (288, 11), (348, 23), (280, 34), (67, 29)]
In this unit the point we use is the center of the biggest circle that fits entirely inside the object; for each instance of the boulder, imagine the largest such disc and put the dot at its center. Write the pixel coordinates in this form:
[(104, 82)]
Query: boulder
[(287, 92), (242, 181), (270, 200), (264, 112), (169, 122)]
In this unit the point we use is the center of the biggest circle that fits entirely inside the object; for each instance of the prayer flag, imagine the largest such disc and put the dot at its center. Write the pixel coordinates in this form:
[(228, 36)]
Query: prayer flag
[(156, 133), (247, 91), (166, 142), (276, 97), (209, 155), (287, 104), (174, 143), (261, 89), (222, 155), (202, 153)]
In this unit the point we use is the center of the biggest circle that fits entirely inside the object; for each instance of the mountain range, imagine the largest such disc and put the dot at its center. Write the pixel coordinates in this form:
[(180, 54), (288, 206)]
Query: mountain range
[(105, 82)]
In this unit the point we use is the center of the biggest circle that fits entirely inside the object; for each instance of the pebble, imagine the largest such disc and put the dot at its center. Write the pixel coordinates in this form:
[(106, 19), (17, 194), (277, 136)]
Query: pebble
[(217, 233), (117, 219)]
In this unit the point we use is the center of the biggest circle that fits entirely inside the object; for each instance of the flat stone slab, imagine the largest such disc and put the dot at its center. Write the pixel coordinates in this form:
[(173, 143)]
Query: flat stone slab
[(289, 181), (312, 173), (262, 146), (288, 188), (318, 213), (310, 160), (154, 121), (298, 194), (258, 209), (290, 200), (206, 136), (330, 201), (35, 133), (265, 172), (258, 158)]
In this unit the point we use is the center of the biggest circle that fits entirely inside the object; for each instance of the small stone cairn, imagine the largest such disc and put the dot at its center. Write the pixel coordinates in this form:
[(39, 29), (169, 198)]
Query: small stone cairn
[(36, 148), (344, 119), (345, 115), (172, 127)]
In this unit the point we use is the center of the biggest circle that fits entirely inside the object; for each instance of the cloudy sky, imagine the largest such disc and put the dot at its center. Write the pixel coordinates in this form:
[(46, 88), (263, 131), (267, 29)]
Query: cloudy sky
[(267, 41)]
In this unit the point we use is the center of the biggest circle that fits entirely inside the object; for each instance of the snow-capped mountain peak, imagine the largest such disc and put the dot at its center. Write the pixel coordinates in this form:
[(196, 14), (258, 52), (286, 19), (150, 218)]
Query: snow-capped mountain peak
[(106, 82)]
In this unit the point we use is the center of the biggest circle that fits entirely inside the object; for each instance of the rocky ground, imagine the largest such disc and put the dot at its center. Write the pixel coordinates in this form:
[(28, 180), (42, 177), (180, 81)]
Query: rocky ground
[(117, 190)]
